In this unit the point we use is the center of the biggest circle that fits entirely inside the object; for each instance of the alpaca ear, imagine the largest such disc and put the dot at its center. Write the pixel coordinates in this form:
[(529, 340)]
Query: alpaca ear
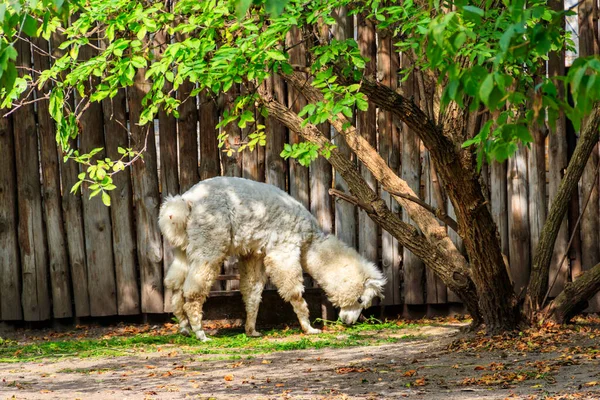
[(376, 285)]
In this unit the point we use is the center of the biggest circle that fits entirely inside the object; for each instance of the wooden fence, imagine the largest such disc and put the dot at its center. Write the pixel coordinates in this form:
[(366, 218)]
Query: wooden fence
[(64, 255)]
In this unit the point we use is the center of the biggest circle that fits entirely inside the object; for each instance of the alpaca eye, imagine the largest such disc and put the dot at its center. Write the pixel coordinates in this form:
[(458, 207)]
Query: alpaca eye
[(359, 300)]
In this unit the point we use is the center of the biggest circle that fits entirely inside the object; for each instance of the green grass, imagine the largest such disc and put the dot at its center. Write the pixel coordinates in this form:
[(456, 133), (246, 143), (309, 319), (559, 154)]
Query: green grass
[(372, 332)]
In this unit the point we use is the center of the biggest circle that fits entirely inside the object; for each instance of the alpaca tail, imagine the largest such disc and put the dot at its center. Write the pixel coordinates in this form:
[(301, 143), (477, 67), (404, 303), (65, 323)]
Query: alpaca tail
[(172, 220)]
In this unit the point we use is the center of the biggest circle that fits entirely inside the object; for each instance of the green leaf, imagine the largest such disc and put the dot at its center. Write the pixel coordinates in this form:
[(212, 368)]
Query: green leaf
[(106, 199), (486, 88), (30, 26)]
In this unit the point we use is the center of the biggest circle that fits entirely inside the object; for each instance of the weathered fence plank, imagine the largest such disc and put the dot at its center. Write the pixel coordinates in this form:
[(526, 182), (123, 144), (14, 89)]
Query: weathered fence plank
[(557, 163), (209, 151), (413, 267), (387, 65), (187, 131), (276, 132), (10, 270), (73, 217), (498, 198), (518, 220), (366, 123), (96, 218), (536, 167), (32, 241), (457, 240), (57, 249), (298, 180), (436, 292), (345, 213), (146, 201), (121, 209)]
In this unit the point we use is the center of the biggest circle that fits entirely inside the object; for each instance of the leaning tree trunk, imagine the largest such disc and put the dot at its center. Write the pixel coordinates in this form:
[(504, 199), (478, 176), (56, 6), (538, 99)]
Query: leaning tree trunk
[(456, 168), (454, 276), (574, 298), (538, 282)]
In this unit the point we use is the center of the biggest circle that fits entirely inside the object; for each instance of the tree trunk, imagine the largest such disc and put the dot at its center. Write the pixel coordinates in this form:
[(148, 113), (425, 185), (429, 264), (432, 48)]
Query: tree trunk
[(435, 257), (574, 298), (541, 263), (456, 168)]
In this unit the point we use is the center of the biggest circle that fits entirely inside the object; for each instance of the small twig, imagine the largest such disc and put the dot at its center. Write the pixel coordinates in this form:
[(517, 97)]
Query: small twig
[(560, 265), (441, 215), (351, 199)]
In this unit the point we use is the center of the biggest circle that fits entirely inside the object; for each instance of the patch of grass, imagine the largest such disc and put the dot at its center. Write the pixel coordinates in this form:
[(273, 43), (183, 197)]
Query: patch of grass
[(84, 371), (371, 332)]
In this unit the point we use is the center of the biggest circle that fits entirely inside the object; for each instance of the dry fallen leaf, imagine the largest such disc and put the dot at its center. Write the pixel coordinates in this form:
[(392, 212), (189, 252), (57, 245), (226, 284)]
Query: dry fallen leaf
[(411, 372), (228, 378)]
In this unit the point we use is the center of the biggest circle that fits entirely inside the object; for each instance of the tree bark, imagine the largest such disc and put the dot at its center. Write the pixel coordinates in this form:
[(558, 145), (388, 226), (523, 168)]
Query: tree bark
[(435, 257), (541, 262), (575, 296), (456, 168)]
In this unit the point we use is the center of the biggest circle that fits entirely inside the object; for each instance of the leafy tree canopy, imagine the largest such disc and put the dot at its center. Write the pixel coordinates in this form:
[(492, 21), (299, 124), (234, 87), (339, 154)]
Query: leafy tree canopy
[(483, 55)]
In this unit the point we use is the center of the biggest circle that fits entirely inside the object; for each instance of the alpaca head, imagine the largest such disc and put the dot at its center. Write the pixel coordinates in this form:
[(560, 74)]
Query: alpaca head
[(373, 287), (173, 218), (350, 281)]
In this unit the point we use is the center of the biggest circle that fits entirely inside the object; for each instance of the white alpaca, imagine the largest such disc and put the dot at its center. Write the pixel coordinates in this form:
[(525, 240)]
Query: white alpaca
[(273, 236)]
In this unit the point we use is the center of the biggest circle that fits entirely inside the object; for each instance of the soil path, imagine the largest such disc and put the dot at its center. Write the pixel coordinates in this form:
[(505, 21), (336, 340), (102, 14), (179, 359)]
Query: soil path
[(421, 368)]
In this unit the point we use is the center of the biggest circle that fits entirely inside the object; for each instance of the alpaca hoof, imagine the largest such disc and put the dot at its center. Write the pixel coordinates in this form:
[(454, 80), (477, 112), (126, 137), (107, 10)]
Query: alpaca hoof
[(313, 331), (201, 336), (253, 334), (184, 331)]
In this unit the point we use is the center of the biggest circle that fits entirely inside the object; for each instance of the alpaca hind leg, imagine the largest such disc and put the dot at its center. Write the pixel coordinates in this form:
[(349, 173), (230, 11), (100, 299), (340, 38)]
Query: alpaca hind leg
[(177, 303), (195, 290), (252, 282), (285, 271)]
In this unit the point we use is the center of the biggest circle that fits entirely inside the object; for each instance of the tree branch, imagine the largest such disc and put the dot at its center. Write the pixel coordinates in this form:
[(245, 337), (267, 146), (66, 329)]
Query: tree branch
[(541, 263), (352, 200), (443, 263), (445, 218)]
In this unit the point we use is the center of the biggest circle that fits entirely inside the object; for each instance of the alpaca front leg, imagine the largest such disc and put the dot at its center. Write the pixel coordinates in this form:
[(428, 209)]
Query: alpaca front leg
[(284, 268), (195, 291), (193, 309), (301, 310), (177, 302), (252, 282)]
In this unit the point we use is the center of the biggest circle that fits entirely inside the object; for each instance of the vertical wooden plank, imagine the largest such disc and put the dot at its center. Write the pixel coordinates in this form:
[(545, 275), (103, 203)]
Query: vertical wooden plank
[(414, 272), (209, 151), (320, 183), (10, 269), (169, 167), (96, 218), (457, 240), (436, 290), (32, 241), (298, 181), (557, 161), (121, 209), (387, 66), (518, 220), (250, 158), (73, 218), (536, 166), (187, 131), (232, 163), (345, 213), (366, 123), (499, 202), (57, 249), (590, 234), (146, 201), (276, 167)]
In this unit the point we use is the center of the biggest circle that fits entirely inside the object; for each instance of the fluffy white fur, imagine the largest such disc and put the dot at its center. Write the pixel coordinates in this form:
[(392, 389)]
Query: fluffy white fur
[(273, 236)]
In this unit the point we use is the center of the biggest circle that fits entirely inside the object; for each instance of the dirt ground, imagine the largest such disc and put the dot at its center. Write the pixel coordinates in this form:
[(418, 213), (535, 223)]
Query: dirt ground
[(438, 362)]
